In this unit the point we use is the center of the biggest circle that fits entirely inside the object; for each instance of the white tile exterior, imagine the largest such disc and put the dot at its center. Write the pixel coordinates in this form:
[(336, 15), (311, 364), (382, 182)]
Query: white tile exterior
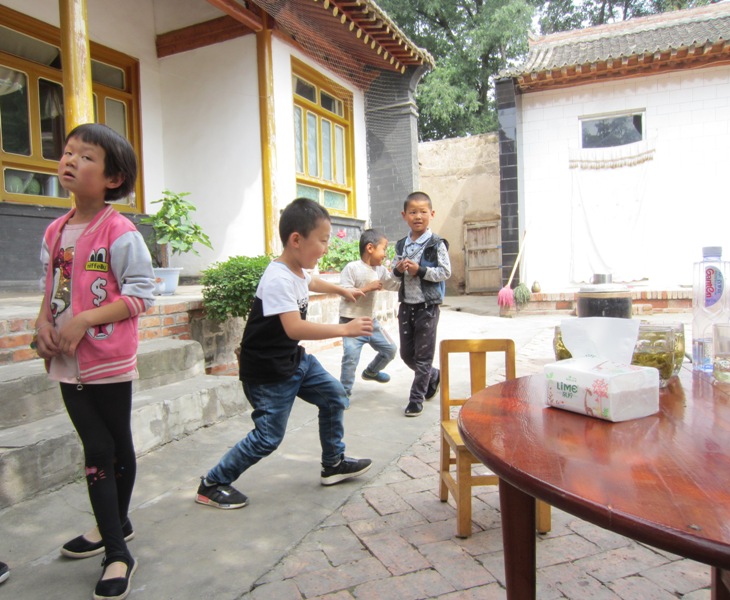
[(686, 203)]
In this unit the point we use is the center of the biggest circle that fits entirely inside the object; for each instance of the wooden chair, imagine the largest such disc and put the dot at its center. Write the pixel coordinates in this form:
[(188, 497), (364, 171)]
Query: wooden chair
[(454, 453)]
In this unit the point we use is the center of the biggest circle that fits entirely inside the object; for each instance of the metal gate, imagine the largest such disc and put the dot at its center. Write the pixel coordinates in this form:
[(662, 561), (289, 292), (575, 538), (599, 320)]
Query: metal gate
[(483, 262)]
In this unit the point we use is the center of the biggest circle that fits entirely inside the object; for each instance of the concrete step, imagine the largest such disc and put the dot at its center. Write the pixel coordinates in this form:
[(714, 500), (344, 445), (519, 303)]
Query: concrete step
[(26, 393), (42, 454)]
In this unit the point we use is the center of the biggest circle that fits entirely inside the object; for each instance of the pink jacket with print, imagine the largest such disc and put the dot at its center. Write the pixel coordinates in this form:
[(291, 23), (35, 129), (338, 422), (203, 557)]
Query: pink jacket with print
[(111, 262)]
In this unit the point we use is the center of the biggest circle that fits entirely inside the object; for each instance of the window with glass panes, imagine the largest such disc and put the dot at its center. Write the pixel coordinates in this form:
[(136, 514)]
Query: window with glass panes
[(32, 122), (323, 140)]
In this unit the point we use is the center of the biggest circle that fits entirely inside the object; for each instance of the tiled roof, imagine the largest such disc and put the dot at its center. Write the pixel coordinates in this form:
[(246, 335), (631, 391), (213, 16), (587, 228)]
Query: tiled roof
[(660, 42)]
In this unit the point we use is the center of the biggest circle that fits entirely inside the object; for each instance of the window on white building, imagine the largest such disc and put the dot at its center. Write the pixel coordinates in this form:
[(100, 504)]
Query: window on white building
[(612, 130), (323, 145)]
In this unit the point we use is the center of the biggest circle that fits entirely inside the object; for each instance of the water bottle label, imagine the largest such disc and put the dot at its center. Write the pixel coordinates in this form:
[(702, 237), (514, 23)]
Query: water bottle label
[(714, 285)]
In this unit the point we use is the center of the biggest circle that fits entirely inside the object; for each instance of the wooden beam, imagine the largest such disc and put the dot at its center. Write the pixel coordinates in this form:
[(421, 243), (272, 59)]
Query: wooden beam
[(240, 13), (200, 35)]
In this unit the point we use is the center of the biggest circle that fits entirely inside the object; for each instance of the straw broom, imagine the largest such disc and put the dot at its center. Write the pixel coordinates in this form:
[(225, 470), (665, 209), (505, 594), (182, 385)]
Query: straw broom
[(506, 296)]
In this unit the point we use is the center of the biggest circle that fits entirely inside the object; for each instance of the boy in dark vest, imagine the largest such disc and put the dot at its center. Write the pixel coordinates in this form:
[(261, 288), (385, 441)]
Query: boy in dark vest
[(422, 262)]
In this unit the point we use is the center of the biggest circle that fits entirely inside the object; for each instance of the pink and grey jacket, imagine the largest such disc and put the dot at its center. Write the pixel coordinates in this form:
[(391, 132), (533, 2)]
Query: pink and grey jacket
[(111, 262)]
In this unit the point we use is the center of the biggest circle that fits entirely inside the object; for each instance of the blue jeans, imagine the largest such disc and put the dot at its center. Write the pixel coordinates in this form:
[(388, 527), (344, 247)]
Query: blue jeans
[(379, 341), (272, 404)]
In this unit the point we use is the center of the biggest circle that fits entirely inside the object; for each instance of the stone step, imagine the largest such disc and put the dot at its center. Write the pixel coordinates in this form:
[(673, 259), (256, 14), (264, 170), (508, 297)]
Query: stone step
[(26, 393), (44, 454)]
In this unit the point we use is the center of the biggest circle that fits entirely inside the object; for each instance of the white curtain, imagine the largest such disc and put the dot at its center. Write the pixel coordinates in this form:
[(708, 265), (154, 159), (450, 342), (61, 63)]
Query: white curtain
[(608, 189)]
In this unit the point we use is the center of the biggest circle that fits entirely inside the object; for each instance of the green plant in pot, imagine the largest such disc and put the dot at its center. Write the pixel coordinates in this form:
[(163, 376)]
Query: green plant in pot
[(522, 295), (173, 232)]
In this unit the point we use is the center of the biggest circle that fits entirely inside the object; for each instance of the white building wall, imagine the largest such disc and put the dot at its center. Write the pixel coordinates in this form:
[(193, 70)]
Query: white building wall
[(200, 120), (687, 119), (212, 147)]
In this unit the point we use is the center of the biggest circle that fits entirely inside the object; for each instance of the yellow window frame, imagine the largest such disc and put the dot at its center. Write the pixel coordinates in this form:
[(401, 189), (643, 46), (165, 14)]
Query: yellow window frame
[(129, 97), (323, 84)]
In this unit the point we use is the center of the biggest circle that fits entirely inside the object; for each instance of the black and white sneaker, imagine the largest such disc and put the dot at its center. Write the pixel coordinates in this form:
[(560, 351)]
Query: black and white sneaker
[(220, 496), (4, 572), (346, 469)]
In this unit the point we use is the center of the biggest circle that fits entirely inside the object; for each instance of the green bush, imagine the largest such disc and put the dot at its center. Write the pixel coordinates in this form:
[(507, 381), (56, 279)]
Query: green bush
[(341, 252), (229, 287)]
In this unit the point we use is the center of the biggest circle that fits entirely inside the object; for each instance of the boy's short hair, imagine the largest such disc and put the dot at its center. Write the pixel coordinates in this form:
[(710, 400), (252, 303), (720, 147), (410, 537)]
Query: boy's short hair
[(119, 157), (418, 197), (301, 216), (370, 236)]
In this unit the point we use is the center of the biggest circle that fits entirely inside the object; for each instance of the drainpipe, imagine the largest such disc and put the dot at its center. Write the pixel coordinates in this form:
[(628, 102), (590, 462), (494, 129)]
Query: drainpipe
[(76, 58)]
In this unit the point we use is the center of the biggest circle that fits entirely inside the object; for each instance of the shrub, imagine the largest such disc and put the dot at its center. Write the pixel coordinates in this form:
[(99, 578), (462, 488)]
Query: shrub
[(522, 294), (341, 252), (229, 287)]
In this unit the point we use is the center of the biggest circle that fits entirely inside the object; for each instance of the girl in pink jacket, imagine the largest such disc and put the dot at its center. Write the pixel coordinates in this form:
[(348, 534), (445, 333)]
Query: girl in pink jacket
[(98, 280)]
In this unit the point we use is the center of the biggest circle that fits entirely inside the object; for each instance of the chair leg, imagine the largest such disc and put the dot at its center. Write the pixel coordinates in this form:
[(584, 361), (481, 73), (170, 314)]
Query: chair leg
[(463, 502), (543, 518), (445, 456)]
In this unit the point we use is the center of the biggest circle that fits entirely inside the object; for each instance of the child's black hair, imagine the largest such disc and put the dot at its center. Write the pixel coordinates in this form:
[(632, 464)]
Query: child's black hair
[(119, 157), (301, 216), (417, 196), (370, 236)]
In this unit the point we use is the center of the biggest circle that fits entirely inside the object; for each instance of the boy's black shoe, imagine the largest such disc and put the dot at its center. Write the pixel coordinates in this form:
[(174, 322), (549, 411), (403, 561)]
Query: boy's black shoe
[(4, 572), (80, 547), (433, 385), (414, 409), (347, 469), (116, 588), (220, 496)]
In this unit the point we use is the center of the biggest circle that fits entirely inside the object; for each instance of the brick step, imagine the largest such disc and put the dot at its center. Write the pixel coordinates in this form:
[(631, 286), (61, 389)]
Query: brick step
[(27, 394), (42, 455)]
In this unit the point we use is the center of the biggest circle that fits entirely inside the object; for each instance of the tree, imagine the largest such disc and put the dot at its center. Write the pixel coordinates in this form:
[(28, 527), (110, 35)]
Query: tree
[(471, 41), (562, 15)]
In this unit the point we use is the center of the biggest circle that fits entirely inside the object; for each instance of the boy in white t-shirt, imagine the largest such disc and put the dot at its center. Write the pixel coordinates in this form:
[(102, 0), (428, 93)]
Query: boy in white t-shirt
[(275, 369), (369, 275)]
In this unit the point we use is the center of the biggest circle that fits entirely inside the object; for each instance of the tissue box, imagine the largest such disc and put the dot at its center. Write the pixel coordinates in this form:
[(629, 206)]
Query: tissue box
[(601, 388)]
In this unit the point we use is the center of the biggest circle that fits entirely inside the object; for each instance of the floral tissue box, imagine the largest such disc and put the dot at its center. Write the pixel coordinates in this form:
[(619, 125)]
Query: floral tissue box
[(603, 389)]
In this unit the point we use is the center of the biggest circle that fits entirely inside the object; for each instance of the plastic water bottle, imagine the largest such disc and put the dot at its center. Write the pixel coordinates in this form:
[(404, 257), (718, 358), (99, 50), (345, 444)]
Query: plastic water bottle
[(710, 304)]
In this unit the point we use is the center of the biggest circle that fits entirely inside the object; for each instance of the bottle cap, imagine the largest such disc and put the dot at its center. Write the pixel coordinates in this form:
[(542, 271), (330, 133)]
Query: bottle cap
[(712, 251)]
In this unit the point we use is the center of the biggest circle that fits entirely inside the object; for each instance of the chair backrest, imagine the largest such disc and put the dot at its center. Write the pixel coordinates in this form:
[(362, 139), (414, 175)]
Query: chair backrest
[(477, 350)]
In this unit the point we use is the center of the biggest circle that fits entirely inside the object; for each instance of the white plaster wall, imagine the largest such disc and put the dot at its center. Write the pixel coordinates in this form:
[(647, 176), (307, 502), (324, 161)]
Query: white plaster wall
[(687, 115), (212, 149), (200, 120)]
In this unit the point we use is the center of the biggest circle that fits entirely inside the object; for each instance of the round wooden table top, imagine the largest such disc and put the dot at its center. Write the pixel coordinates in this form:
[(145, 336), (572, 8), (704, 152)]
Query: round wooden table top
[(663, 479)]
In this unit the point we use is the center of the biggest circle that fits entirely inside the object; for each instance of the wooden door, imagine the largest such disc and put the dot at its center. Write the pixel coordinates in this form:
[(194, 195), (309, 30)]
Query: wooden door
[(483, 263)]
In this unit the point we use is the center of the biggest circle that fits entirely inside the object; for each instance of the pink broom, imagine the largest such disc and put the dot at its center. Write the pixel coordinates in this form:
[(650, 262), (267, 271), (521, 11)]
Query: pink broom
[(506, 296)]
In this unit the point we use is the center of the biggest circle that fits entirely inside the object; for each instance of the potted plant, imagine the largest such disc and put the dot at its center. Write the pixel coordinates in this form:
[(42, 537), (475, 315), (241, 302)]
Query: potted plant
[(173, 232)]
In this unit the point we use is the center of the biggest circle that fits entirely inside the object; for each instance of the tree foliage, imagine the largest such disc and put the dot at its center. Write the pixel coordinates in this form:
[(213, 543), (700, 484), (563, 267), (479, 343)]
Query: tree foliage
[(473, 40)]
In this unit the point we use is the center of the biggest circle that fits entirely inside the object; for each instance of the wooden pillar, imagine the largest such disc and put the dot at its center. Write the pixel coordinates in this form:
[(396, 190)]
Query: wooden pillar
[(268, 129), (76, 60)]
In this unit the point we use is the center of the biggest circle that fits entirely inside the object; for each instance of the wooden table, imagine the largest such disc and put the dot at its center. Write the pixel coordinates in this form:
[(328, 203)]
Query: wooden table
[(663, 480)]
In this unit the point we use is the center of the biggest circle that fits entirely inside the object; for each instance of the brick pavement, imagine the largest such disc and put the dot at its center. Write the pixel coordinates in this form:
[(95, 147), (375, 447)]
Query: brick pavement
[(394, 540)]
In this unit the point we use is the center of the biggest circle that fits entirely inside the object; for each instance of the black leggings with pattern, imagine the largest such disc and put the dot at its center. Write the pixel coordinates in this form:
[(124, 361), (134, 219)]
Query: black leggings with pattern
[(101, 415)]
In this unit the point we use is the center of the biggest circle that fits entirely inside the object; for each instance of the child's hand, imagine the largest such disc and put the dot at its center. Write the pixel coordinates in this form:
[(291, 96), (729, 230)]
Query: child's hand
[(373, 286), (71, 334), (351, 294), (407, 265), (359, 326), (47, 341)]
